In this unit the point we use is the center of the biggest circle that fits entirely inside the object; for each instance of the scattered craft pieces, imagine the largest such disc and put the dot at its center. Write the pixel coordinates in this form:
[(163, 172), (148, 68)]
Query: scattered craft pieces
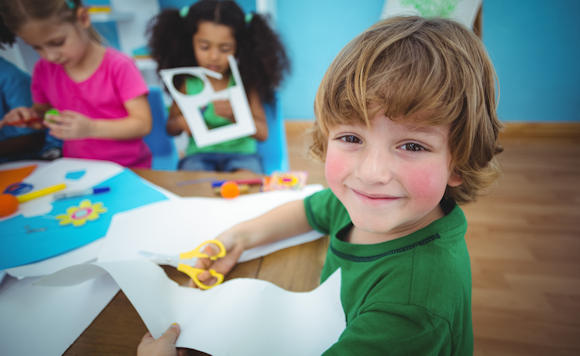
[(285, 180), (79, 215)]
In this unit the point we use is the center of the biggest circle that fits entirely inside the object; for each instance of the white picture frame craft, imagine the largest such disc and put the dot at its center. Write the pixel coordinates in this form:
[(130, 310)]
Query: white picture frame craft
[(463, 11), (191, 105)]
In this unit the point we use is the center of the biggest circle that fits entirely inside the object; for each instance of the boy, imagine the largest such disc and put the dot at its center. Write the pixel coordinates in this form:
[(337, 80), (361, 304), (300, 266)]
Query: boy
[(407, 127)]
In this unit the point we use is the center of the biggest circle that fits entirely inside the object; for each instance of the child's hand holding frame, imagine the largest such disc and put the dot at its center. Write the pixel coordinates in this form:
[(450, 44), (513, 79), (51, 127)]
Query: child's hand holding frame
[(190, 105)]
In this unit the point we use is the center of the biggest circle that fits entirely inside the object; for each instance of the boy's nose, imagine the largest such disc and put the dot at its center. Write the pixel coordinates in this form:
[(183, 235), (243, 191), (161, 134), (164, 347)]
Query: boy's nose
[(375, 166)]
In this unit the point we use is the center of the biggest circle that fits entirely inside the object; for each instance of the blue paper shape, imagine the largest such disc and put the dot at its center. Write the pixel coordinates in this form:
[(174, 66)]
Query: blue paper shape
[(76, 175), (27, 240)]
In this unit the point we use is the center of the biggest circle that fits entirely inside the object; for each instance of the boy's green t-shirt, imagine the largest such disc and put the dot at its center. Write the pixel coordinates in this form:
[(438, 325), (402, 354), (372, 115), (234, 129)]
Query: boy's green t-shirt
[(408, 296), (247, 145)]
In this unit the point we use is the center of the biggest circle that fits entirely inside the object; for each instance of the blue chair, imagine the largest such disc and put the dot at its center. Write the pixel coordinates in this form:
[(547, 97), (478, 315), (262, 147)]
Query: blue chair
[(274, 151), (162, 147)]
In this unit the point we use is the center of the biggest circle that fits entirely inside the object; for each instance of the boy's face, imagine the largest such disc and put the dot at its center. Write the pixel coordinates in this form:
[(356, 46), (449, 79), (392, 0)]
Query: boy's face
[(389, 176)]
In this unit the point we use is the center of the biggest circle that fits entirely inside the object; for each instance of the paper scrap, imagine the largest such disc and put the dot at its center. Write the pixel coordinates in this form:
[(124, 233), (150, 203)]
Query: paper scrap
[(47, 320), (179, 225), (253, 317)]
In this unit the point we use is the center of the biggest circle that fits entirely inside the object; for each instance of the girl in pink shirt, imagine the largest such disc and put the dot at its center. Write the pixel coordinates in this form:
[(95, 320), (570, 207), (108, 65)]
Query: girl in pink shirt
[(99, 93)]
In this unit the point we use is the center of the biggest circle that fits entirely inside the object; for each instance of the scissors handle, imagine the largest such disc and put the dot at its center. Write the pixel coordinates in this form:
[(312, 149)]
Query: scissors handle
[(194, 272), (197, 251)]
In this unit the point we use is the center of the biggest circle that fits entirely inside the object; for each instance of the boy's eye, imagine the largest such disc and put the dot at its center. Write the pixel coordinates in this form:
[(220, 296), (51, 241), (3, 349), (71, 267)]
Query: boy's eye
[(226, 49), (411, 146), (350, 139)]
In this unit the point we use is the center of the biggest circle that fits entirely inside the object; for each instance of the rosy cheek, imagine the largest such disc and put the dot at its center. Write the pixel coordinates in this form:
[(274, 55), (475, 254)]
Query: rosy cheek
[(427, 183), (334, 166)]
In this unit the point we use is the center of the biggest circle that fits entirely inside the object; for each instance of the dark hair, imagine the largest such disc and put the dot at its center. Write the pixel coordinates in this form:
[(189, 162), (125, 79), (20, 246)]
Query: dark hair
[(261, 56), (6, 36), (15, 13)]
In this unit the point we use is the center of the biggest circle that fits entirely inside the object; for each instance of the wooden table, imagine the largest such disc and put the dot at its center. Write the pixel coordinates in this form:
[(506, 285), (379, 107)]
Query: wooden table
[(118, 329)]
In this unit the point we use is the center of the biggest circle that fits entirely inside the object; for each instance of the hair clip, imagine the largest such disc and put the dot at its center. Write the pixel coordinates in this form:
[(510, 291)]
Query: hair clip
[(70, 4), (184, 11), (249, 17)]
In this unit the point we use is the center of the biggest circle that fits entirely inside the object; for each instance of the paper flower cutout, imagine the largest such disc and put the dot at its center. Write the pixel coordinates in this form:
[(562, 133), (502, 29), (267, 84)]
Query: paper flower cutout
[(79, 215)]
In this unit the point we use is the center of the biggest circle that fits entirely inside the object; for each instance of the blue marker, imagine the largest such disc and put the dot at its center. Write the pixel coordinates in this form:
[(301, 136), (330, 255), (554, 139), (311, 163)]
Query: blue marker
[(80, 193)]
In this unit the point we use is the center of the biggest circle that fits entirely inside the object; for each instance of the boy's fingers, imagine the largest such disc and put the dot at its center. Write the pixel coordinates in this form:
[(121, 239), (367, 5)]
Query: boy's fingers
[(172, 333), (147, 338)]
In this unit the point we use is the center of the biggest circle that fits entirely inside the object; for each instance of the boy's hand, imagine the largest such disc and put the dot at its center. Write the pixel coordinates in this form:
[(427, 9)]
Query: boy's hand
[(234, 249), (163, 346), (22, 117), (69, 125)]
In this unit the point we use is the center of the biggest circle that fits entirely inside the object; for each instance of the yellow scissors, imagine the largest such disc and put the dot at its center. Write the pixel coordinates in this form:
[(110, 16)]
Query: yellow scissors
[(187, 268)]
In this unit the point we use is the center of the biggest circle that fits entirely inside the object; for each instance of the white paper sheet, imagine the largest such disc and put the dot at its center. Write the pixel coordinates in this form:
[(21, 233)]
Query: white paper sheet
[(175, 226), (45, 321), (238, 317)]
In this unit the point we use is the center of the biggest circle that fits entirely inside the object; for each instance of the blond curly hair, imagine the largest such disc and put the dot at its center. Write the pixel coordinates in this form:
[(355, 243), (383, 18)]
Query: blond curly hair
[(435, 71)]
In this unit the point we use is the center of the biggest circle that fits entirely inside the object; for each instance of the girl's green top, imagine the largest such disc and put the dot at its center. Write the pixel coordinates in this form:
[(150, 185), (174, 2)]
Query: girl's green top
[(247, 145)]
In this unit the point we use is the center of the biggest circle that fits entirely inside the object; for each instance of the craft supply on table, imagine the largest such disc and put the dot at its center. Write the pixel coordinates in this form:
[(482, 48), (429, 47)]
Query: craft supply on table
[(30, 122), (51, 112), (253, 181), (285, 180), (231, 189), (81, 193), (40, 192), (8, 205)]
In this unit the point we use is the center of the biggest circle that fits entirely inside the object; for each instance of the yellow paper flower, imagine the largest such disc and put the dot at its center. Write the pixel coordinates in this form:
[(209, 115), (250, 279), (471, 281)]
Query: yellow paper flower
[(78, 215)]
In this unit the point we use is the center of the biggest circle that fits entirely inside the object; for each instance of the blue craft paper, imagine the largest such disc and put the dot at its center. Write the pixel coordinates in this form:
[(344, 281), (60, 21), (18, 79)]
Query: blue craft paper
[(76, 175), (26, 240)]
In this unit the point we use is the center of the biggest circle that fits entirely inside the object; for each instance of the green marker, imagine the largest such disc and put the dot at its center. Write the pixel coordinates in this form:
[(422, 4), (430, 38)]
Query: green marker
[(51, 112)]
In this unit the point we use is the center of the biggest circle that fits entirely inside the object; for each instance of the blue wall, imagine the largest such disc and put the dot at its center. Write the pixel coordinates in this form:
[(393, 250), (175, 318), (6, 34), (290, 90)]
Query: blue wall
[(314, 32), (535, 46)]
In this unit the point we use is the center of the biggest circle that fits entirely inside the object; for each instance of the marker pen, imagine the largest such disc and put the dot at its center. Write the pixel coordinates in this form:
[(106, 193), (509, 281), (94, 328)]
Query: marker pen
[(80, 193)]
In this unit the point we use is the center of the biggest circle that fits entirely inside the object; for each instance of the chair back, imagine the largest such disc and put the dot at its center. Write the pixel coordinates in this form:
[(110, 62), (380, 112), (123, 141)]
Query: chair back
[(160, 143), (274, 150)]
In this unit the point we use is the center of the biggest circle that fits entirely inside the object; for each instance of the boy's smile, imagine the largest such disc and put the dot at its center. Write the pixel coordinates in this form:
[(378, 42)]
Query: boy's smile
[(390, 176)]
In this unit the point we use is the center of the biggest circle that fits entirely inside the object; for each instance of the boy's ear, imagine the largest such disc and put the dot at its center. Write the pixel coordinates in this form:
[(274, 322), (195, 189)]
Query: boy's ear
[(83, 17), (454, 179)]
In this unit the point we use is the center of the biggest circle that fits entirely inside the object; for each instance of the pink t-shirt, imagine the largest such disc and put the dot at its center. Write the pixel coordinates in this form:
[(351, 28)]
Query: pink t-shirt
[(101, 96)]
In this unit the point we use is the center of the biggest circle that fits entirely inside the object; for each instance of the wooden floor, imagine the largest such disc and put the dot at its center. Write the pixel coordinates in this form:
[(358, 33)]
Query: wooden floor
[(524, 241)]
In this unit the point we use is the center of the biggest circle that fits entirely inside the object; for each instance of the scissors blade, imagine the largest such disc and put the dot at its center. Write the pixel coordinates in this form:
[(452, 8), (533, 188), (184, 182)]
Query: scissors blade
[(161, 259)]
